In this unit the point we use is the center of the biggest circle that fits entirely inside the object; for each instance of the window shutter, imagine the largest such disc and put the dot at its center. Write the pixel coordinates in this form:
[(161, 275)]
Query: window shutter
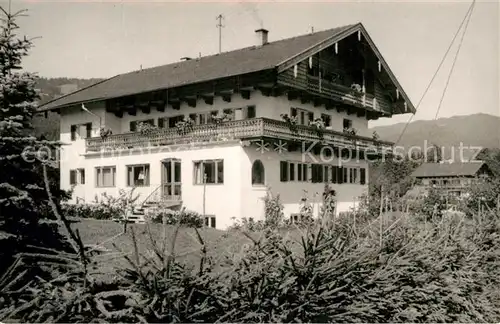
[(89, 130), (251, 112), (334, 173), (73, 132), (311, 116), (161, 122), (292, 171), (362, 175), (340, 175), (283, 171), (72, 177)]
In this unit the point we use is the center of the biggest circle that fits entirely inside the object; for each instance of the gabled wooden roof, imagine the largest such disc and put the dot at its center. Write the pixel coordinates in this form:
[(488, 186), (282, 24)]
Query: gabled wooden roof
[(277, 55)]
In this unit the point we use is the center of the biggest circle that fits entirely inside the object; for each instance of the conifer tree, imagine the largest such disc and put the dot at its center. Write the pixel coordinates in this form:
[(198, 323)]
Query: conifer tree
[(23, 197)]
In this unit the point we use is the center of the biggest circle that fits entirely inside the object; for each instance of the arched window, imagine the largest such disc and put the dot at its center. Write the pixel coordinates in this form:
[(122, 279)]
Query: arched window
[(258, 173)]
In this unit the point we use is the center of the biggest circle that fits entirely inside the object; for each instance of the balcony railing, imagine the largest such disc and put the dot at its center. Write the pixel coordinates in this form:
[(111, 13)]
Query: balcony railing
[(345, 94), (246, 129)]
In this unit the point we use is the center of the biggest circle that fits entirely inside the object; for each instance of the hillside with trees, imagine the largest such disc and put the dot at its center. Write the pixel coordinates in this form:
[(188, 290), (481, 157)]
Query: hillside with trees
[(50, 89)]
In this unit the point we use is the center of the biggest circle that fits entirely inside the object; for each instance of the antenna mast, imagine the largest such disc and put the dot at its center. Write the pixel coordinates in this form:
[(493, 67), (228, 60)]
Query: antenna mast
[(219, 26)]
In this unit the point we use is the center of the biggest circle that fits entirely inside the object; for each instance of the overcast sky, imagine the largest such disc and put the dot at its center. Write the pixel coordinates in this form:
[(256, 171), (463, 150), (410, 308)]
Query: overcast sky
[(101, 39)]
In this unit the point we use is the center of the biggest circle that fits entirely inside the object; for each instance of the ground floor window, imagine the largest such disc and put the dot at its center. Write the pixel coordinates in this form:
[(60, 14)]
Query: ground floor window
[(209, 171), (138, 175), (210, 221), (105, 176), (77, 176), (258, 173), (72, 177)]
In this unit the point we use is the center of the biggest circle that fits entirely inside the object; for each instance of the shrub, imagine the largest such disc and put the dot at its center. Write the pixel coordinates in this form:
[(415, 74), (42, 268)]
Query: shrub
[(185, 218), (95, 211), (273, 210)]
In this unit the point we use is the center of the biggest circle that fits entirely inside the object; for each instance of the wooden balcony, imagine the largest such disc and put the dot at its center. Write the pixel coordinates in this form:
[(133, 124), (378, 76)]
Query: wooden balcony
[(247, 129), (344, 94)]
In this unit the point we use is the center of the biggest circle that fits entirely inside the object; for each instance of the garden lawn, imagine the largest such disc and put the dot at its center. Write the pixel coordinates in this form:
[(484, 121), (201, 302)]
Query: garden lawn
[(108, 237)]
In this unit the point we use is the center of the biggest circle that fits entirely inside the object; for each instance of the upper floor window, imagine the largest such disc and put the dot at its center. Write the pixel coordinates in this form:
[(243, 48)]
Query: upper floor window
[(105, 176), (327, 120), (258, 173), (229, 113), (250, 112), (81, 131), (138, 175), (303, 116), (347, 124), (133, 124), (209, 171)]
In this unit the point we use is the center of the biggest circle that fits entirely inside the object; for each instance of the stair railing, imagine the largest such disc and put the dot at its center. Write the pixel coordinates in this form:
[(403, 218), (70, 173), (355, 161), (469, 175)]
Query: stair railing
[(150, 195)]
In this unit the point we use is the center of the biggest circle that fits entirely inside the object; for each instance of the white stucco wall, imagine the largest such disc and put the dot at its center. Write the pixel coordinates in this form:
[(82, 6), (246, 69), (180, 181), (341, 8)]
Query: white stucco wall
[(236, 197), (291, 192), (221, 200)]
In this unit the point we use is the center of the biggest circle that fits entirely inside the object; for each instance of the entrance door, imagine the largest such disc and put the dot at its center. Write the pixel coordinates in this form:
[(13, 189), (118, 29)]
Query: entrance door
[(171, 179)]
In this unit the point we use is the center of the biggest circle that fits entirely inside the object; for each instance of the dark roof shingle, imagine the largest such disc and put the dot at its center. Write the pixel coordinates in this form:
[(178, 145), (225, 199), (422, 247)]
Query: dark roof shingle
[(242, 61), (447, 169)]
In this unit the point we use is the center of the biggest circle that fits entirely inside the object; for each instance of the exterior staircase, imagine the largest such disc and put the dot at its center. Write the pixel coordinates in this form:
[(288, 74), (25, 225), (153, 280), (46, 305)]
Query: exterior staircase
[(153, 202)]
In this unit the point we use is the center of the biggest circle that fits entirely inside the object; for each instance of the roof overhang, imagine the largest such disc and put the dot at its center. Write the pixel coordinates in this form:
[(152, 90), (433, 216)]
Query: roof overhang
[(299, 57)]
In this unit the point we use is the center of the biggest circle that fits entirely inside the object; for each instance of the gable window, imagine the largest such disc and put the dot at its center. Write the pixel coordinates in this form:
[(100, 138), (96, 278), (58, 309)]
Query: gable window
[(138, 175), (347, 123), (209, 171), (105, 176), (258, 173)]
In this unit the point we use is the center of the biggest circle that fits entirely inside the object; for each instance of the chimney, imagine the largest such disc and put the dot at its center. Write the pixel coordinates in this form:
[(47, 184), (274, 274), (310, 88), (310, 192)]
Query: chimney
[(261, 36)]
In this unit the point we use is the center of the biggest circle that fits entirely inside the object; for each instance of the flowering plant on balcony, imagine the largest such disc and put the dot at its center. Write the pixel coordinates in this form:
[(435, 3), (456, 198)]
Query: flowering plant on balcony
[(145, 128), (184, 126), (350, 131), (291, 121), (319, 126), (105, 132), (220, 118), (356, 90)]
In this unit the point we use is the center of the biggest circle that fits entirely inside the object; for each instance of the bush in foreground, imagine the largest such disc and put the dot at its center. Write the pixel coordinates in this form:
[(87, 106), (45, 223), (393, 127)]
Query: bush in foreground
[(406, 269)]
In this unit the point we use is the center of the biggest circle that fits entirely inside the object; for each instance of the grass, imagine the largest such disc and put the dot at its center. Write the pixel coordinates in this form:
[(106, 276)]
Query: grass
[(105, 235)]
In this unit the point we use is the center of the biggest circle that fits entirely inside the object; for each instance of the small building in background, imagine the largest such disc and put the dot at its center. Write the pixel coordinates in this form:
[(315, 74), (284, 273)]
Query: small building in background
[(454, 178)]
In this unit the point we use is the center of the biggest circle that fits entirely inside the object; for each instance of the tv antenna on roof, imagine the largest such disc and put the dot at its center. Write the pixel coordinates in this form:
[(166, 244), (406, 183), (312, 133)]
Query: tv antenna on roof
[(219, 25)]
